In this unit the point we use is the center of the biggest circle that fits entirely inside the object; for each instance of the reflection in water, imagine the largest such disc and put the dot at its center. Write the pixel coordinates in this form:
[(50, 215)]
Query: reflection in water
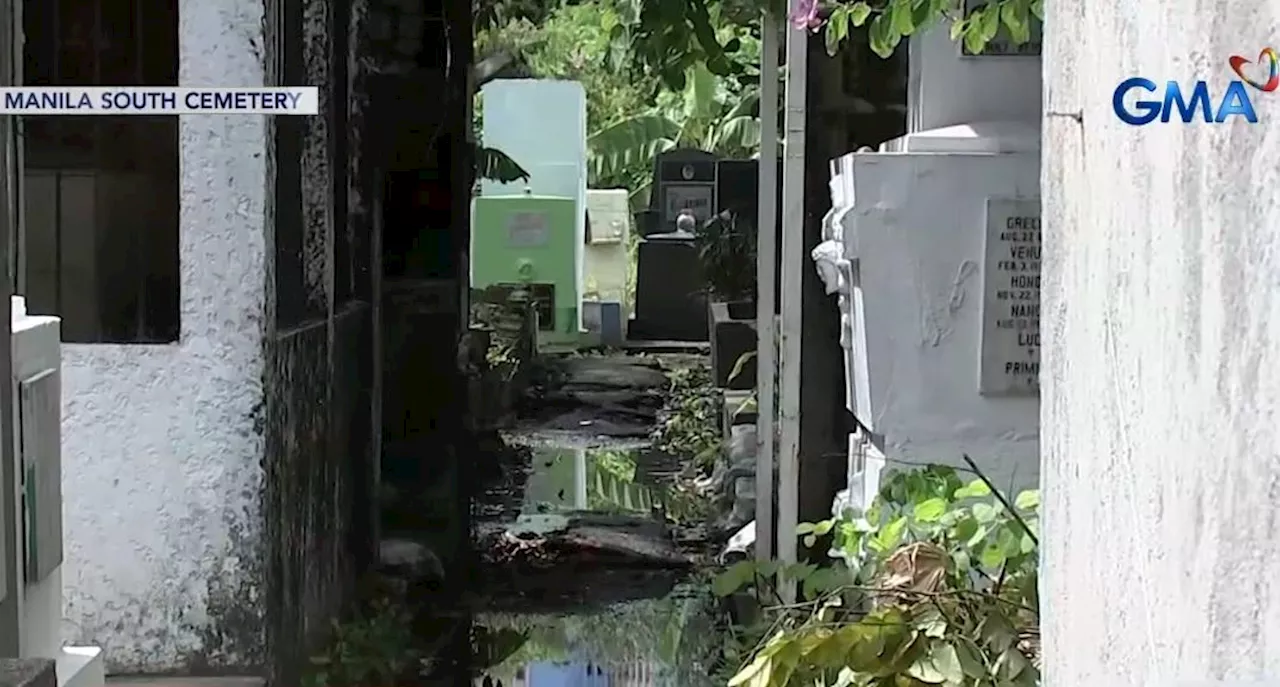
[(663, 642), (570, 674), (603, 480), (651, 643)]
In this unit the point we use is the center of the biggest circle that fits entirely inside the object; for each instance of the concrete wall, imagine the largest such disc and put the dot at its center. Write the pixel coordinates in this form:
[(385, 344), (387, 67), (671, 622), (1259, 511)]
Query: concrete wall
[(162, 445), (319, 394), (1161, 378), (217, 490), (945, 88)]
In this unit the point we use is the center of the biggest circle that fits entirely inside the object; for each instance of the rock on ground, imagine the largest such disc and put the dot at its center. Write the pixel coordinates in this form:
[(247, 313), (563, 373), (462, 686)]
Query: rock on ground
[(612, 373)]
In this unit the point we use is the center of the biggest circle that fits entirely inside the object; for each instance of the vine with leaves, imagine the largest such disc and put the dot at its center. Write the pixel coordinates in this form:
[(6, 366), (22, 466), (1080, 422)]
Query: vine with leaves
[(935, 584)]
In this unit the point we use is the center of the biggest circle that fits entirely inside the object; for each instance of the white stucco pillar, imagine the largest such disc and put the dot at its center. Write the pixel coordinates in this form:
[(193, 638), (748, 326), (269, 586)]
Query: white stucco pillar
[(1161, 367)]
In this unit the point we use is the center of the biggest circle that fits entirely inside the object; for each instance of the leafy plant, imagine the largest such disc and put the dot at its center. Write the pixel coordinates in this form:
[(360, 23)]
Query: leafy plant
[(611, 484), (572, 41), (691, 428), (376, 649), (665, 40), (889, 21), (752, 403), (705, 115), (544, 639), (494, 165), (935, 584), (507, 314), (726, 246)]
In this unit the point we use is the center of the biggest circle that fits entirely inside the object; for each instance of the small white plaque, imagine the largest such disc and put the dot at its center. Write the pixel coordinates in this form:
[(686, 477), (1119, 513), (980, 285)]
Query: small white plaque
[(695, 198), (527, 230), (1010, 348)]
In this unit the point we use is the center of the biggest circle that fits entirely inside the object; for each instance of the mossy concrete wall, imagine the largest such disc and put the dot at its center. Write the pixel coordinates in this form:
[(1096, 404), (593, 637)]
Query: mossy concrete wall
[(218, 490)]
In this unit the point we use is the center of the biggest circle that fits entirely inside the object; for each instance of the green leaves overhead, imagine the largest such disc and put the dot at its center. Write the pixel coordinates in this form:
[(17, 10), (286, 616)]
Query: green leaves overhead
[(629, 142), (667, 38), (706, 114), (664, 39), (889, 21)]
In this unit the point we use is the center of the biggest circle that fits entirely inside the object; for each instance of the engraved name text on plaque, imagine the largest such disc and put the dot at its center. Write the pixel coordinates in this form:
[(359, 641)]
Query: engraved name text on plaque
[(1010, 346)]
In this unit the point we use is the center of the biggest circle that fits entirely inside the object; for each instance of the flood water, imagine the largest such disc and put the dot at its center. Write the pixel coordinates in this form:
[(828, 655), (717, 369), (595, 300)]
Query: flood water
[(615, 479), (652, 627)]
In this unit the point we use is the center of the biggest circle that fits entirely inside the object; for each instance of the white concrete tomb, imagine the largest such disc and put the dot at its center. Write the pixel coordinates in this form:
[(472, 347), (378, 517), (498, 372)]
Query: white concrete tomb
[(932, 248)]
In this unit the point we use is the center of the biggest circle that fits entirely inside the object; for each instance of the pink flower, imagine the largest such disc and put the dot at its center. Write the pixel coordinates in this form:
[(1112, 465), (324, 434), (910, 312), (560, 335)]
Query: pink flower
[(806, 16)]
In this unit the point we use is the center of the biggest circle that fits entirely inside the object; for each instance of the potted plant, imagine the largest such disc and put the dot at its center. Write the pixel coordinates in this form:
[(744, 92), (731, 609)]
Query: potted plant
[(726, 246)]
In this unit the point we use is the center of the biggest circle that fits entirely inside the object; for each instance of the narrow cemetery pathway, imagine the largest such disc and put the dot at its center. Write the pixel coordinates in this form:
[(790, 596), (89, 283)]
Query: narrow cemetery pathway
[(593, 547)]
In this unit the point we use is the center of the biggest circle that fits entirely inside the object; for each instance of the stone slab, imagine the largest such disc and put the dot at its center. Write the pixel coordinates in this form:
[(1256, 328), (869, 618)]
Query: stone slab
[(731, 338), (670, 298), (672, 346), (27, 672)]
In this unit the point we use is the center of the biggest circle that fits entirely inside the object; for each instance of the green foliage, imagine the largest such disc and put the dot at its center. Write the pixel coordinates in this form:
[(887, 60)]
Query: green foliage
[(672, 634), (706, 114), (573, 42), (611, 485), (376, 649), (889, 21), (494, 165), (544, 639), (612, 488), (666, 39), (493, 646), (727, 251), (494, 13), (620, 464), (507, 316), (936, 584), (630, 115), (692, 426)]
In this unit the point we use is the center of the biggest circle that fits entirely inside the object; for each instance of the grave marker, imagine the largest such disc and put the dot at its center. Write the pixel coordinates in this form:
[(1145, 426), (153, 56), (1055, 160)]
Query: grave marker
[(1010, 347)]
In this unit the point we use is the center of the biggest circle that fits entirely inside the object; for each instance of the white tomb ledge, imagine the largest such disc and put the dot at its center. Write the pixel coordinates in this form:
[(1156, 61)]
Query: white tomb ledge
[(974, 138), (37, 357)]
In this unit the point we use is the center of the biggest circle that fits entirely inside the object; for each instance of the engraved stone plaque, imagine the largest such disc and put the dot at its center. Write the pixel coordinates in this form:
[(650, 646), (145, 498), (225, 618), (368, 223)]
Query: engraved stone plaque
[(692, 197), (527, 230), (1010, 346)]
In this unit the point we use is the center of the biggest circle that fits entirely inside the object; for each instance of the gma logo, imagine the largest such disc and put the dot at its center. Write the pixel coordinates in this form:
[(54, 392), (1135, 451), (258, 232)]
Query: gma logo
[(1201, 105)]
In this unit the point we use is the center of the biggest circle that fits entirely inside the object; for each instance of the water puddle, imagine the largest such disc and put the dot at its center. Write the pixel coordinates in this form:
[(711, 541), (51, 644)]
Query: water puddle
[(601, 572), (606, 480), (666, 642)]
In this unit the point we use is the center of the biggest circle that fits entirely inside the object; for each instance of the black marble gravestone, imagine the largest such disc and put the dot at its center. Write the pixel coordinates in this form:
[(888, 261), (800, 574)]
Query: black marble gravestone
[(738, 190), (670, 293), (732, 326)]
